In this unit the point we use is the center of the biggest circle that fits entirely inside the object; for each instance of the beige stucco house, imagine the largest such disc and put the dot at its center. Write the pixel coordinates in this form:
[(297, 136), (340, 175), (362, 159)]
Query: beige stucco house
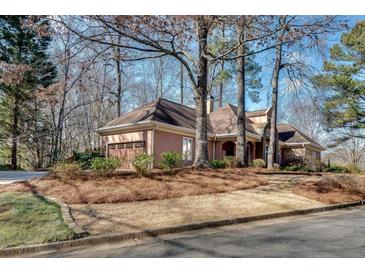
[(163, 125)]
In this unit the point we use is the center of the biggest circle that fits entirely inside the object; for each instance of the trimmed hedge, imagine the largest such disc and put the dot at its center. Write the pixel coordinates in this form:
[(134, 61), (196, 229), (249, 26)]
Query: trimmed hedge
[(66, 171), (142, 163), (337, 169), (170, 160), (105, 166), (218, 164), (258, 163)]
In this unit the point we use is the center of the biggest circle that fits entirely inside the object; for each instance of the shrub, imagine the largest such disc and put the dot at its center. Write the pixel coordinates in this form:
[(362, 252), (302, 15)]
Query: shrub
[(353, 168), (105, 166), (5, 167), (297, 168), (258, 163), (170, 160), (292, 168), (337, 169), (66, 171), (342, 182), (8, 167), (142, 162), (86, 158), (293, 161), (230, 161), (217, 164)]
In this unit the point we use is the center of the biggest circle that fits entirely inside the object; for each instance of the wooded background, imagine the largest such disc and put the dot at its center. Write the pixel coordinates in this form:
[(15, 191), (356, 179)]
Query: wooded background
[(62, 77)]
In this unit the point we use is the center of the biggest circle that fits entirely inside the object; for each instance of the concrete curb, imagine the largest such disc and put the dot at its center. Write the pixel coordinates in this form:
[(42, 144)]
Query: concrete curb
[(109, 238)]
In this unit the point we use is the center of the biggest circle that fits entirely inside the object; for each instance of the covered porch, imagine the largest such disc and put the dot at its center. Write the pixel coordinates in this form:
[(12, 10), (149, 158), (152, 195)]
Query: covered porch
[(224, 148)]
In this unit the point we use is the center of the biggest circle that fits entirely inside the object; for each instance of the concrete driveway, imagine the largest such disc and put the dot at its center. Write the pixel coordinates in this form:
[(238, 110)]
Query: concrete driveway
[(338, 233), (8, 177)]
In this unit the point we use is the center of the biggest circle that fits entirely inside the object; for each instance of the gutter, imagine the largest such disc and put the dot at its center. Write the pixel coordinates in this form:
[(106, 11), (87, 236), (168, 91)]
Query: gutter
[(156, 124), (123, 126), (184, 129), (305, 143), (233, 134), (213, 152)]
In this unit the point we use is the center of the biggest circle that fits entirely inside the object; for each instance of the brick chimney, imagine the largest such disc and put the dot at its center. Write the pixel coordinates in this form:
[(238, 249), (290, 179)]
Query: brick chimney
[(210, 104)]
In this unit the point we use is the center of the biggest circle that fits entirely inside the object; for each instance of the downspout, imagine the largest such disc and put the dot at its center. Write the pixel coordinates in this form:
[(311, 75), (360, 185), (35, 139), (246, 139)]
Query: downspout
[(107, 149), (153, 144), (215, 139)]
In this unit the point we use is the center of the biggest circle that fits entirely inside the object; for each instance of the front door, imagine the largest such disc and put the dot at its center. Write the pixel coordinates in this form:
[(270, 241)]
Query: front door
[(229, 149)]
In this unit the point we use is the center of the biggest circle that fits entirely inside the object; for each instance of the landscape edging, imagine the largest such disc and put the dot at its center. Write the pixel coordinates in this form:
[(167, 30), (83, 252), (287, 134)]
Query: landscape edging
[(66, 215), (101, 239)]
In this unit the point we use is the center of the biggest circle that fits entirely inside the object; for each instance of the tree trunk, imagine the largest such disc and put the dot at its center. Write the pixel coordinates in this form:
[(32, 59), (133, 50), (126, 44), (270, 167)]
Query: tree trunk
[(181, 83), (201, 146), (119, 78), (119, 87), (272, 154), (241, 109), (59, 126), (37, 134), (58, 133), (14, 147), (220, 99)]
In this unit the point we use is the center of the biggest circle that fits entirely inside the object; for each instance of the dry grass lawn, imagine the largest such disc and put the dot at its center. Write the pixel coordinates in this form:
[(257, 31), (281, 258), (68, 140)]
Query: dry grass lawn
[(332, 189), (129, 188), (126, 217)]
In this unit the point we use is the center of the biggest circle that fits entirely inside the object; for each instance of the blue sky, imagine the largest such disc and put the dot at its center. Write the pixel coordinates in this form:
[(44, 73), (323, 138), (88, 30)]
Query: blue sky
[(266, 60), (315, 60)]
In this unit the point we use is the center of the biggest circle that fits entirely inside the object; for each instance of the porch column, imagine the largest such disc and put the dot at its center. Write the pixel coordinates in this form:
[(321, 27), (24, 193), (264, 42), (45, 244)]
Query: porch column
[(254, 151)]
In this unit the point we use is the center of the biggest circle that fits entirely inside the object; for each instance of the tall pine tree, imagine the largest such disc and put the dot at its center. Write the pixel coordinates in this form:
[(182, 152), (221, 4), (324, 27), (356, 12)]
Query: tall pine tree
[(344, 82), (24, 68)]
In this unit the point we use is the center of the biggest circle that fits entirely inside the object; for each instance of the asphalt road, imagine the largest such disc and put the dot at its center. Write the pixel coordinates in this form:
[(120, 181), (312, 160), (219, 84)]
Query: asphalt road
[(338, 233), (8, 177)]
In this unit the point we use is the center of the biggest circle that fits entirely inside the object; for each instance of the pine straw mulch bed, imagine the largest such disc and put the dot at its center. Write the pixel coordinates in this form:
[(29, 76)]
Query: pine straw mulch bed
[(332, 189), (90, 189)]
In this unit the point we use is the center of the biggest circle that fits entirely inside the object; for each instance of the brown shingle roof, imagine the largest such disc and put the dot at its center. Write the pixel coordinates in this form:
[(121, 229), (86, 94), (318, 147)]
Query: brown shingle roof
[(260, 112), (290, 135), (142, 113), (221, 121), (160, 110), (175, 114), (224, 120)]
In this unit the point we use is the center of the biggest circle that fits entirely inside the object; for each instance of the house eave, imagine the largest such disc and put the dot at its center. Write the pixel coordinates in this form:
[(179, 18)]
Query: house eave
[(304, 144), (176, 129), (123, 127), (234, 134), (165, 127)]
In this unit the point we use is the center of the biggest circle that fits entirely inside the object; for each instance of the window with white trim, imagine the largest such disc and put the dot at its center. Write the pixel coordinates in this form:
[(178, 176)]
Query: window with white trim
[(187, 149)]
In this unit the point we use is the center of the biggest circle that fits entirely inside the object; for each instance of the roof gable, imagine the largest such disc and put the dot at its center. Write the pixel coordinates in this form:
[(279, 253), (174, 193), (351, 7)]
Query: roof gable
[(291, 135), (142, 113), (223, 120)]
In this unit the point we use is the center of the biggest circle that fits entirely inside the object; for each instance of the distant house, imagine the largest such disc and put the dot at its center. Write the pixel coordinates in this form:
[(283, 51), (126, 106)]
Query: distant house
[(163, 125)]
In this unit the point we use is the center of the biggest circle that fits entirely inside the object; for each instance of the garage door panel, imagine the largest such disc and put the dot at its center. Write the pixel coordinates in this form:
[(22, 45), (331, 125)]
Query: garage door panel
[(126, 152)]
